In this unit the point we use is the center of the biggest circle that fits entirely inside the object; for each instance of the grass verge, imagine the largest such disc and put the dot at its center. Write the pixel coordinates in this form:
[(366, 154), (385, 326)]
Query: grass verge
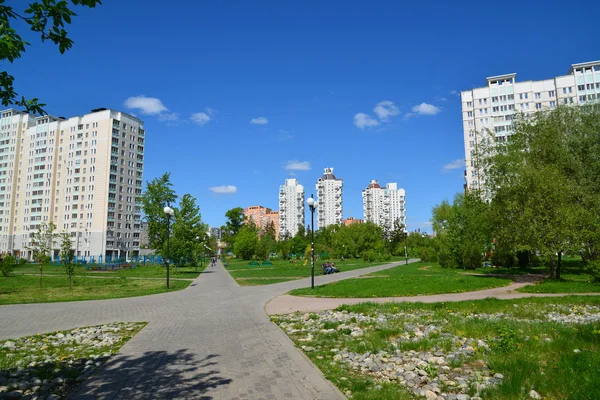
[(405, 280)]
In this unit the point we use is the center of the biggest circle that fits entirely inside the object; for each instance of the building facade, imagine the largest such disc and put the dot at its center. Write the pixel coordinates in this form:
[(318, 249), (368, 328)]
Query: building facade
[(329, 199), (83, 174), (351, 220), (262, 218), (215, 232), (488, 111), (385, 207), (291, 208)]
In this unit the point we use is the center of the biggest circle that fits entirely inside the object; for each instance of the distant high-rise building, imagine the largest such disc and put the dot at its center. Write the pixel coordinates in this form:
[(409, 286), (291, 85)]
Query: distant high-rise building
[(263, 217), (215, 232), (329, 199), (384, 207), (83, 173), (489, 111), (291, 208)]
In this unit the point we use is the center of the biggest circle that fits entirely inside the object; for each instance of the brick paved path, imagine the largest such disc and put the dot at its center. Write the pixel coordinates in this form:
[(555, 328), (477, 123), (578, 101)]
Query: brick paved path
[(211, 340)]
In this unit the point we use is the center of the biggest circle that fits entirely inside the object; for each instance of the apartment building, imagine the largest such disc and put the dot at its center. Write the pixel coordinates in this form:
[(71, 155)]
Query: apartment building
[(215, 232), (351, 220), (82, 173), (384, 206), (291, 208), (488, 111), (262, 218), (329, 198)]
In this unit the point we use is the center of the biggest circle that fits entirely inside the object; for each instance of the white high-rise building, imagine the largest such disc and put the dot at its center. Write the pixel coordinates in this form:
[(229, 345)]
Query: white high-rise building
[(291, 208), (384, 206), (329, 199), (82, 173), (489, 110)]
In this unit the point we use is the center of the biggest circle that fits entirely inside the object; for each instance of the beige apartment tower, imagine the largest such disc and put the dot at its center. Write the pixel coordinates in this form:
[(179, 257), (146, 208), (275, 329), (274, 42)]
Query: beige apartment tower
[(82, 173)]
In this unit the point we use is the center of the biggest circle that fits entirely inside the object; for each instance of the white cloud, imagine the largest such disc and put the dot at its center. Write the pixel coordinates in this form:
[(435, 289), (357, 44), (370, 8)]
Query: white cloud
[(297, 165), (202, 118), (362, 121), (227, 189), (168, 117), (259, 121), (386, 109), (425, 109), (147, 105), (456, 164), (454, 92), (441, 98)]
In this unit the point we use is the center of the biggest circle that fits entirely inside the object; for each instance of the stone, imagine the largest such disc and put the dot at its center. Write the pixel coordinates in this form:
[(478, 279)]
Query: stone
[(498, 376), (576, 351), (535, 395), (430, 395), (14, 395), (463, 397), (53, 397), (306, 317), (337, 358), (374, 368), (9, 345)]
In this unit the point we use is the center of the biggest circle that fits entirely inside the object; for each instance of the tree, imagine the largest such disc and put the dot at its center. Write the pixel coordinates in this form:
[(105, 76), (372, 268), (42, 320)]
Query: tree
[(7, 265), (270, 230), (158, 195), (66, 254), (235, 219), (42, 243), (246, 242), (187, 227), (47, 18)]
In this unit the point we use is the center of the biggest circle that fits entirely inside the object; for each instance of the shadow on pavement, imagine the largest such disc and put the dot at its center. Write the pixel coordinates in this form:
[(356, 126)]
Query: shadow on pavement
[(155, 374)]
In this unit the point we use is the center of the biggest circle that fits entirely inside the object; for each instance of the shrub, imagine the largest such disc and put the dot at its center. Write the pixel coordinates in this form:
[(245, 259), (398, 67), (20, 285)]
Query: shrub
[(503, 258), (22, 261), (524, 258), (445, 258), (425, 254), (593, 268), (7, 265), (472, 256)]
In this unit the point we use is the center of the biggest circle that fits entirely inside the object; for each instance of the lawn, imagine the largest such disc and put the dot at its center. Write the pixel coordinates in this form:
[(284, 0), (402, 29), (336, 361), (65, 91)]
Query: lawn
[(284, 270), (19, 289), (141, 271), (493, 349), (405, 280)]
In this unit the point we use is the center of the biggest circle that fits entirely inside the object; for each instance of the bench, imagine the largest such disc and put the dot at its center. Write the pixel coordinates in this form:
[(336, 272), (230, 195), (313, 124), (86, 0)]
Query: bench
[(253, 264), (96, 268), (126, 266), (267, 264)]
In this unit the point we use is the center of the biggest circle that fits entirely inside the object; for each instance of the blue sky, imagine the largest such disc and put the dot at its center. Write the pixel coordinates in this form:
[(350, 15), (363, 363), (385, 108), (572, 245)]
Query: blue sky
[(369, 88)]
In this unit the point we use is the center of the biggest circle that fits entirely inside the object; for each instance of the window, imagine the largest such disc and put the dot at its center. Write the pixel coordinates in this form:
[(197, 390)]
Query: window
[(551, 93), (538, 95), (570, 90), (580, 87), (469, 113), (564, 90), (552, 104), (538, 106)]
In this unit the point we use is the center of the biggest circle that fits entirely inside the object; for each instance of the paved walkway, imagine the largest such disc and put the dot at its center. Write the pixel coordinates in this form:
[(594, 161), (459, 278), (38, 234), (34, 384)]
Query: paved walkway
[(211, 340)]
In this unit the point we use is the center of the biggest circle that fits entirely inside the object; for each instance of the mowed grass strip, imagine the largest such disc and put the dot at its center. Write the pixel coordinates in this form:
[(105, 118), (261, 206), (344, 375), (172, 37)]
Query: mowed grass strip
[(26, 289), (239, 269), (574, 279), (405, 280)]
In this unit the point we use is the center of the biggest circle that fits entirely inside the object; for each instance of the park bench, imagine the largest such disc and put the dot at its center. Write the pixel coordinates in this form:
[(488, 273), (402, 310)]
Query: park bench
[(253, 264), (126, 266), (267, 264)]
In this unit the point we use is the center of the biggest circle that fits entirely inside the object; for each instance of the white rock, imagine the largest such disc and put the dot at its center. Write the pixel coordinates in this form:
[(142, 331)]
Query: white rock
[(535, 395), (430, 395)]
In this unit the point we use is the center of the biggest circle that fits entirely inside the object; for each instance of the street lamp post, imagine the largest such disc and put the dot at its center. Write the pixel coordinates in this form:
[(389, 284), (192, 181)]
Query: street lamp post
[(312, 204), (406, 248), (169, 212)]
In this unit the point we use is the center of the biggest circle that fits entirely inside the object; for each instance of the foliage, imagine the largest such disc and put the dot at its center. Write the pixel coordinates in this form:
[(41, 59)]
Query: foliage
[(246, 242), (472, 256), (42, 243), (503, 257), (188, 235), (7, 265), (159, 194), (593, 268), (66, 254), (47, 18)]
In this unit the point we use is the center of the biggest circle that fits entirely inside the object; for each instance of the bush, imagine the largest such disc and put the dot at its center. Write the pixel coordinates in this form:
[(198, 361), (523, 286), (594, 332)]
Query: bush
[(372, 255), (22, 261), (472, 256), (503, 258), (425, 254), (445, 257), (7, 265), (523, 258), (593, 268)]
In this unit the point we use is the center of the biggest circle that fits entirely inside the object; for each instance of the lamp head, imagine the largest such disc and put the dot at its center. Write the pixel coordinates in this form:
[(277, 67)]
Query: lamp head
[(311, 202), (168, 210)]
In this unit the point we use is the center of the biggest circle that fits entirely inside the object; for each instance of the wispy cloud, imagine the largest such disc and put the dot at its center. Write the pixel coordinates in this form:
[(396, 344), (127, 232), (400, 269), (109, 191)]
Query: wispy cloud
[(456, 164), (171, 117), (202, 118), (455, 93), (146, 105), (259, 121), (285, 134), (424, 109), (297, 165), (362, 121), (441, 98), (386, 109), (227, 189)]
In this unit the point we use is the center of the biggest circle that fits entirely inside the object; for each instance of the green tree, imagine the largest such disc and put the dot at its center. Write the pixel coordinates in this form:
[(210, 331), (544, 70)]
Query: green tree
[(235, 219), (270, 230), (7, 265), (46, 18), (42, 243), (189, 233), (159, 193), (246, 242), (66, 254)]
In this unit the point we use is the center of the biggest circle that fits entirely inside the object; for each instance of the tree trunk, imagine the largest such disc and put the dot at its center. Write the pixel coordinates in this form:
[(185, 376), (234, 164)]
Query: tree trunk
[(558, 265), (552, 269), (41, 273)]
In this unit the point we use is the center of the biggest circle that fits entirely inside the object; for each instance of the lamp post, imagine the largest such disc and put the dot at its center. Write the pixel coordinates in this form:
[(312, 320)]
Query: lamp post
[(406, 248), (169, 212), (312, 204), (209, 250)]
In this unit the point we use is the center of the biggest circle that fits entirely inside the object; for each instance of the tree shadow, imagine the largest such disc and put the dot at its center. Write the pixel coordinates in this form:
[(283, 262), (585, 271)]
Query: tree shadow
[(154, 374)]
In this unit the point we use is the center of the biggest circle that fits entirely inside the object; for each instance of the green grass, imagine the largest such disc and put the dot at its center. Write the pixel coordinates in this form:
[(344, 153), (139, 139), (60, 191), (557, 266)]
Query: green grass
[(531, 351), (574, 279), (405, 280), (141, 271), (26, 289), (285, 271)]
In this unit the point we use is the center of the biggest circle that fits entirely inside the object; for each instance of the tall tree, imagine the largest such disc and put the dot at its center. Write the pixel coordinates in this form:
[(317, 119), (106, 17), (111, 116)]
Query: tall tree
[(46, 18), (66, 254), (246, 242), (235, 219), (189, 233), (159, 193)]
